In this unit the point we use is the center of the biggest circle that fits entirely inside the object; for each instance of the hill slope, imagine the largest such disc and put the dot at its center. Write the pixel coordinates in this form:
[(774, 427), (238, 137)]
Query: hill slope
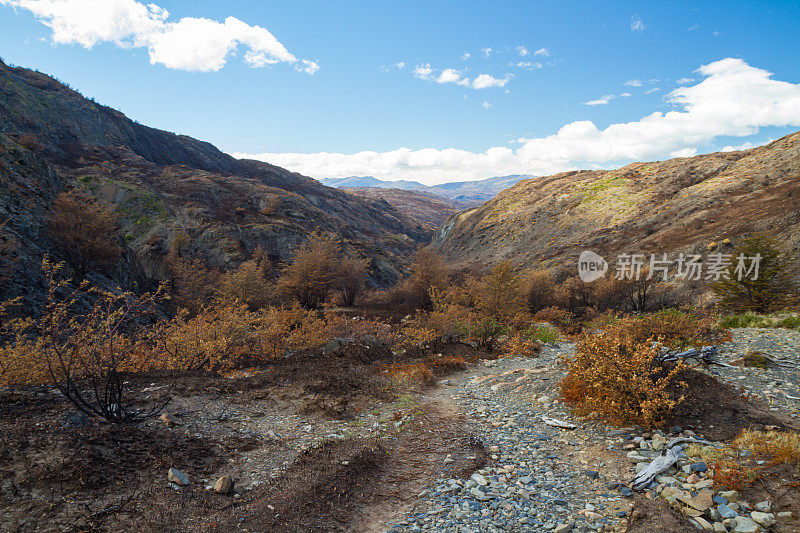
[(428, 209), (680, 204), (165, 186)]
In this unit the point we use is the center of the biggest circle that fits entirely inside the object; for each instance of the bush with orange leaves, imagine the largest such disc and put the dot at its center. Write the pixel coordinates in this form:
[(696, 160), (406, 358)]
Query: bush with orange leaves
[(617, 375), (85, 342), (742, 462), (424, 371), (225, 337)]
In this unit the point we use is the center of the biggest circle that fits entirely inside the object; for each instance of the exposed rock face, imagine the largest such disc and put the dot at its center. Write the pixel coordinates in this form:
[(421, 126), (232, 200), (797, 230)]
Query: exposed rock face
[(166, 186), (682, 204)]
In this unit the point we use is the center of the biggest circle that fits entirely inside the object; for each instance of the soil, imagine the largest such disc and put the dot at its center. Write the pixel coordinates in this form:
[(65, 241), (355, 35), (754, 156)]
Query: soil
[(719, 411), (648, 516), (779, 484)]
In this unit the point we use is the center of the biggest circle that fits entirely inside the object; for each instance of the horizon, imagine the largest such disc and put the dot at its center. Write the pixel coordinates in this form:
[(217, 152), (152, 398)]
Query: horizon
[(398, 101)]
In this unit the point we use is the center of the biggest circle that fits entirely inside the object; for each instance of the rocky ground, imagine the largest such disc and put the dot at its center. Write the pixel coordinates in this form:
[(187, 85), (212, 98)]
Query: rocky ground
[(546, 478), (328, 448)]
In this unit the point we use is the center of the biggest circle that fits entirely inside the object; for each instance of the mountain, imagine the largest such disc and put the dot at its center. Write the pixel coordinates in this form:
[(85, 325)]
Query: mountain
[(369, 181), (429, 210), (682, 204), (466, 192), (166, 187)]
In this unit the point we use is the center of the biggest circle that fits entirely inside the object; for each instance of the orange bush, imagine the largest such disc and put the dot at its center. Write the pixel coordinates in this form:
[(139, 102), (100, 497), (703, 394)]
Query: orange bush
[(424, 371), (615, 375)]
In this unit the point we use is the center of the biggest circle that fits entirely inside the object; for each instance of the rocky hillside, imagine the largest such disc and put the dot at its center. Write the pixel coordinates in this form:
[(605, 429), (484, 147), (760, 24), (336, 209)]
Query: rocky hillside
[(681, 204), (167, 186), (427, 209)]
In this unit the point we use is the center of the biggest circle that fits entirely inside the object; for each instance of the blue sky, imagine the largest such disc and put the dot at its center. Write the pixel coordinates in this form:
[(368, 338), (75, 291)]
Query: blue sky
[(328, 98)]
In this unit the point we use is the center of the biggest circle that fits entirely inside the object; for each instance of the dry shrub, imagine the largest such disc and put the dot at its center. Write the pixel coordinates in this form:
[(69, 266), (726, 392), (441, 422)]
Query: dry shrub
[(229, 336), (84, 342), (736, 465), (428, 272), (540, 289), (615, 375), (193, 284), (84, 232), (521, 345), (281, 330), (554, 315), (424, 371), (500, 294), (312, 275), (351, 279), (218, 338), (359, 328), (248, 283)]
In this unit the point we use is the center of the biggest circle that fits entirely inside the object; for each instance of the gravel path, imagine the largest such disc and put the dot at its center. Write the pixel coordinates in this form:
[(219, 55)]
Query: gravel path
[(536, 480), (547, 479)]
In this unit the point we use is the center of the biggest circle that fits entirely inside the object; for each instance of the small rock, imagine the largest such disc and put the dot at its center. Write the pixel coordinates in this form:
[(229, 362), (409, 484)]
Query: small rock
[(176, 476), (705, 524), (745, 525), (700, 467), (224, 485), (785, 514), (764, 519), (726, 512), (479, 479), (764, 506), (564, 528)]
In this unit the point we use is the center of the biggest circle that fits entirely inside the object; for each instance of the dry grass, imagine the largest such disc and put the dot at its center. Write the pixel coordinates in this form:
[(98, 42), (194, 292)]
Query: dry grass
[(737, 464)]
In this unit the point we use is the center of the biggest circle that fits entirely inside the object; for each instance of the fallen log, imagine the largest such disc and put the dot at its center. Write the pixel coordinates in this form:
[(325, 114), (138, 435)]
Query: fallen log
[(674, 452)]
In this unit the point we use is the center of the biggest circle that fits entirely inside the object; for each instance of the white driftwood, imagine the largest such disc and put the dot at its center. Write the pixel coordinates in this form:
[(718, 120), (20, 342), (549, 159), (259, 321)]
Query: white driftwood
[(674, 451), (707, 354), (555, 422), (659, 464)]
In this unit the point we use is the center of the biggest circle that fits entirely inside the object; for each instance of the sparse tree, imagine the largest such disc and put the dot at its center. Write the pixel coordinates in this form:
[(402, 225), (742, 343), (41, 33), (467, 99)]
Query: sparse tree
[(248, 284), (84, 232), (772, 289), (193, 283), (500, 293), (540, 290), (428, 271), (311, 276), (351, 279)]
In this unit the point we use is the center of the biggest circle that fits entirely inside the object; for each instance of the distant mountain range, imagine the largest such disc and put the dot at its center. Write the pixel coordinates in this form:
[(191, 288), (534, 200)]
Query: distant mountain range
[(469, 193)]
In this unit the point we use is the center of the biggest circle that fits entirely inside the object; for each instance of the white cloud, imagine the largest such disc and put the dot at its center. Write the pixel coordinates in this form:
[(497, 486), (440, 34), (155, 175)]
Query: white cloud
[(190, 43), (542, 52), (717, 33), (603, 100), (744, 146), (651, 91), (423, 72), (486, 105), (487, 51), (693, 27), (522, 51), (624, 95), (465, 56), (636, 24), (633, 83), (451, 75), (733, 99), (484, 81), (527, 65), (684, 81)]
